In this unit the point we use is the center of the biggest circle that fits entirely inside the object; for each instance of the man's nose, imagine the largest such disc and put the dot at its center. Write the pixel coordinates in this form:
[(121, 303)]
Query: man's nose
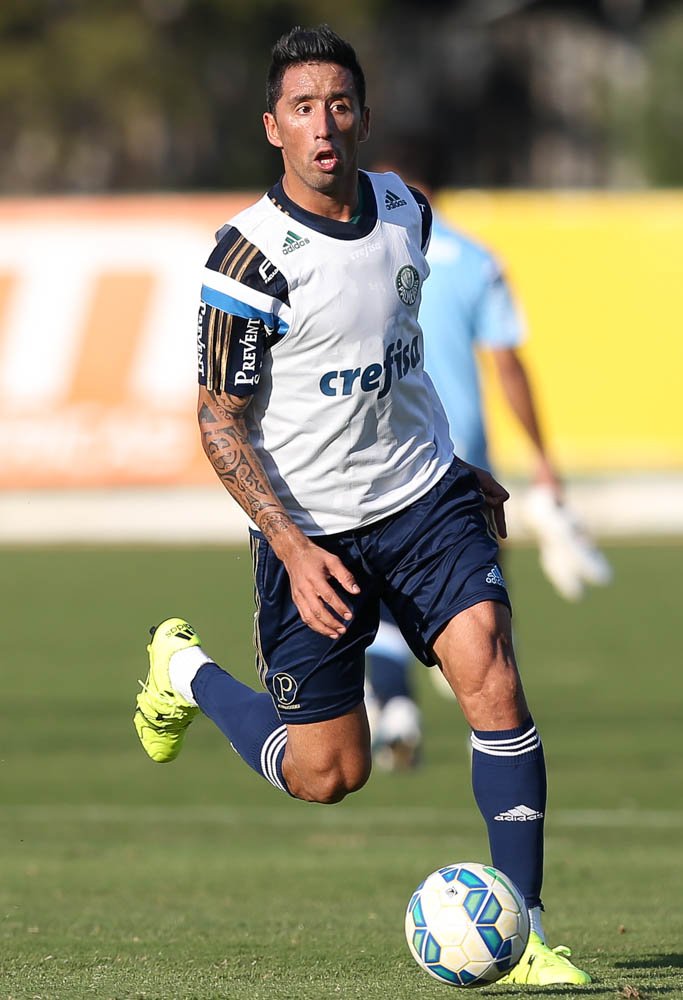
[(324, 123)]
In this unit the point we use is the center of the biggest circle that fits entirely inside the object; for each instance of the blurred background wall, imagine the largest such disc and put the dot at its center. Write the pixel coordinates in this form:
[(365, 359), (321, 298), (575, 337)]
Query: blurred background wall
[(131, 129)]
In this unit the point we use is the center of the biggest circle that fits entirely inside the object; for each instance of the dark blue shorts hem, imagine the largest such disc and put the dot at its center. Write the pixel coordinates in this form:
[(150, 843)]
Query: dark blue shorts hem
[(315, 716)]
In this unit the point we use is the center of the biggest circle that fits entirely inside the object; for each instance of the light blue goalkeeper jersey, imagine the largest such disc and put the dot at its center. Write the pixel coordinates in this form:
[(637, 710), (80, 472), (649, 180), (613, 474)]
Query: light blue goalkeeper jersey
[(466, 304)]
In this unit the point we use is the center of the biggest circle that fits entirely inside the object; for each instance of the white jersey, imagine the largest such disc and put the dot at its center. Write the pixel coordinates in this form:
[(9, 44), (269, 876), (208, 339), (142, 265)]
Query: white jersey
[(317, 320)]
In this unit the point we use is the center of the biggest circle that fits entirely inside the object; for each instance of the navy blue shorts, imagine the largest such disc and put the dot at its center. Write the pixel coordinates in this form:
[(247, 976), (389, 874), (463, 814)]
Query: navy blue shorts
[(427, 563)]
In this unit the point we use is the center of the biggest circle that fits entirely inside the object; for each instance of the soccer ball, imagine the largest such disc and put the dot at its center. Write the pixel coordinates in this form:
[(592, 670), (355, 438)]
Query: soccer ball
[(467, 924)]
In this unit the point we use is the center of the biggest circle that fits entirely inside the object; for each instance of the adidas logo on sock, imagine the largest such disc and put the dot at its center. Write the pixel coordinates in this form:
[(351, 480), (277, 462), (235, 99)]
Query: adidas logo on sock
[(392, 200), (293, 242), (518, 814)]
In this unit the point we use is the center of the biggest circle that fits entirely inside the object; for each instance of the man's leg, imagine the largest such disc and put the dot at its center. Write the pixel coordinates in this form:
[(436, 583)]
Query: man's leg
[(508, 770), (318, 762), (315, 761), (476, 654)]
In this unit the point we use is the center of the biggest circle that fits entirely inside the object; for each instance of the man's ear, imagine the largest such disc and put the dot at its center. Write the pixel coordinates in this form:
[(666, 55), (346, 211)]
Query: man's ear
[(364, 131), (272, 131)]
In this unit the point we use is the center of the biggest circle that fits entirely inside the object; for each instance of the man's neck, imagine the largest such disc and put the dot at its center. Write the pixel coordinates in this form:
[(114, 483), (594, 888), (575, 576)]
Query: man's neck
[(337, 205)]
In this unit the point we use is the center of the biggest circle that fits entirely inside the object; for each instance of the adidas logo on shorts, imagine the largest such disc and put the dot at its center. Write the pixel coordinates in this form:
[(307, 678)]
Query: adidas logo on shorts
[(496, 577)]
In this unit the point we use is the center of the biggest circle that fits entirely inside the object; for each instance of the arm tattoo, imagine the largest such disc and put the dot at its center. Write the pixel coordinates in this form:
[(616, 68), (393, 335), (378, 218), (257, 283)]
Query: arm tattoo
[(226, 443)]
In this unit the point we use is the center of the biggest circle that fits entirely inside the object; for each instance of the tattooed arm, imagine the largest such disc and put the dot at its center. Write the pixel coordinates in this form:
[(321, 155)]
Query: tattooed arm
[(226, 442)]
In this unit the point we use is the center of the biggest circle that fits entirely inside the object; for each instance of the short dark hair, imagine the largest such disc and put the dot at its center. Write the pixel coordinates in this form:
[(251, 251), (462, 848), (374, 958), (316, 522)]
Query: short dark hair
[(303, 45)]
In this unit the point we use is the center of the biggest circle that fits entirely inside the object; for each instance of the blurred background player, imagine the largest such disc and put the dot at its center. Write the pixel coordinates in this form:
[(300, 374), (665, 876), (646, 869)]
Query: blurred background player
[(466, 307)]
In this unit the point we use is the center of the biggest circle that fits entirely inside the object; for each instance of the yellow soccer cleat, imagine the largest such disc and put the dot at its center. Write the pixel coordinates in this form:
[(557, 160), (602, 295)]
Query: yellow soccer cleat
[(162, 715), (544, 966)]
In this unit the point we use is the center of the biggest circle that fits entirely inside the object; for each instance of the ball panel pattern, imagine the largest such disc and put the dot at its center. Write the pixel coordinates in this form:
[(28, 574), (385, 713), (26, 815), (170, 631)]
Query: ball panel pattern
[(466, 924)]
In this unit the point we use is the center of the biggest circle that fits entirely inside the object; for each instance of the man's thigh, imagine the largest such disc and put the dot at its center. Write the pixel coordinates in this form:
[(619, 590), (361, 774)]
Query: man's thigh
[(311, 678), (476, 655), (439, 557)]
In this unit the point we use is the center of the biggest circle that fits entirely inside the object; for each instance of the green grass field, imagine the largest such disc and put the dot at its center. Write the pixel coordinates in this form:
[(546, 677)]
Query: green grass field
[(125, 879)]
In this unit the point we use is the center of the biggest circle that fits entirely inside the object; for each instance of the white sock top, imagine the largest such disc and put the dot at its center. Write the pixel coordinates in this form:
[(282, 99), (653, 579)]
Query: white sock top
[(182, 669), (536, 922)]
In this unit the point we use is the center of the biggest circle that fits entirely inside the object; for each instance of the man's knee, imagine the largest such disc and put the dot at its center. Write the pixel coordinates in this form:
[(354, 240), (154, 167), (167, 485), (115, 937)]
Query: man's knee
[(331, 784), (336, 786), (327, 760)]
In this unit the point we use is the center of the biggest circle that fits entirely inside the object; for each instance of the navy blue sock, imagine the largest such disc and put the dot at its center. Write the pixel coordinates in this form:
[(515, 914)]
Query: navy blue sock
[(389, 675), (248, 719), (509, 782)]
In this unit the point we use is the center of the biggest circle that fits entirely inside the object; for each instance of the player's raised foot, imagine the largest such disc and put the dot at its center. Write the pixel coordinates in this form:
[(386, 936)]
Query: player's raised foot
[(544, 966), (162, 715)]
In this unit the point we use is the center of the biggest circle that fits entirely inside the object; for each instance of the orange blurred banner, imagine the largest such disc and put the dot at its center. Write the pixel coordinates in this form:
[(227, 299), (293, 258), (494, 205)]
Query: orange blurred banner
[(98, 301)]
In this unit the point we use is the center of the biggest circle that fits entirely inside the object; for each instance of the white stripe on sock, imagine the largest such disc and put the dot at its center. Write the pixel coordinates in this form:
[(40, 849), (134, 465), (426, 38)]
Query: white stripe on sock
[(513, 747), (270, 750), (510, 740), (270, 772), (273, 755)]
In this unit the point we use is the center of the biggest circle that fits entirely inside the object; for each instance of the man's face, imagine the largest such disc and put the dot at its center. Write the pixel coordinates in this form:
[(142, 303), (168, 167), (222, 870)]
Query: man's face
[(318, 124)]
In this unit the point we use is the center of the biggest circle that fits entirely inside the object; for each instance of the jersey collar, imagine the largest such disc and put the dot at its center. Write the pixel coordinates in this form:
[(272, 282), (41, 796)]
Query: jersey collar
[(332, 227)]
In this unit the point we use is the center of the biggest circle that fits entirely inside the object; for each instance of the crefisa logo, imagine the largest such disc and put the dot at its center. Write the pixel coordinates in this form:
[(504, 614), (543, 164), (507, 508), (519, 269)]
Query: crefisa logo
[(408, 284), (399, 359)]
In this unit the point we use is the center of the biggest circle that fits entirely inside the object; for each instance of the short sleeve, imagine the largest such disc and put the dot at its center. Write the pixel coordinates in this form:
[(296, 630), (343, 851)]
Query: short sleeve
[(498, 321), (244, 309)]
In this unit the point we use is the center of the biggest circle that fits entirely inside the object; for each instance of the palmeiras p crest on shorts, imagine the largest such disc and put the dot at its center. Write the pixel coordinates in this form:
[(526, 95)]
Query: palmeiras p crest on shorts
[(408, 284), (285, 689)]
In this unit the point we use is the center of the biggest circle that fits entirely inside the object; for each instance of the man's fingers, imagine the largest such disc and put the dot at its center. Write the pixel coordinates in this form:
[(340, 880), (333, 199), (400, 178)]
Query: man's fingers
[(338, 570), (318, 617), (315, 592), (334, 601)]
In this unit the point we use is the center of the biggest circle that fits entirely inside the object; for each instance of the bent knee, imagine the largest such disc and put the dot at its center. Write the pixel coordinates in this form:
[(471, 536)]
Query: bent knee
[(334, 784)]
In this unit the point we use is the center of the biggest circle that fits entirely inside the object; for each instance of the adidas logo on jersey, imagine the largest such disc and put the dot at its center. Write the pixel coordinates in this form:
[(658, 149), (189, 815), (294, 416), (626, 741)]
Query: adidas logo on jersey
[(518, 814), (293, 242), (392, 200), (496, 577)]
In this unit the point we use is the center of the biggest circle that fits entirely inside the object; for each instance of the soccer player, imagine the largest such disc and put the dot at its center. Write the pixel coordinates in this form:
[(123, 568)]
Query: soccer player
[(317, 416), (467, 306)]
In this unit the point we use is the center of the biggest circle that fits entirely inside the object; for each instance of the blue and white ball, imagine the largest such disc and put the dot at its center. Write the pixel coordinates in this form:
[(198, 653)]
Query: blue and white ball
[(467, 924)]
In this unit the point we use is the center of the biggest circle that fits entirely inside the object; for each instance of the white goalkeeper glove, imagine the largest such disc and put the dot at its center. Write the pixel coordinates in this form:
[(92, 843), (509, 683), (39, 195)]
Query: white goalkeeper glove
[(568, 557)]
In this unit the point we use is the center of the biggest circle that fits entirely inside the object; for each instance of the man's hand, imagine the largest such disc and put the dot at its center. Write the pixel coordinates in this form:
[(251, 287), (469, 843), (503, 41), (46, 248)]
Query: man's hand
[(495, 496), (311, 571)]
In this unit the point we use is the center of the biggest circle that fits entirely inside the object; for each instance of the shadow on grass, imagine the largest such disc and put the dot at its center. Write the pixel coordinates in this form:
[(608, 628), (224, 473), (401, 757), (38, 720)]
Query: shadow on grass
[(552, 993), (652, 962), (641, 990)]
